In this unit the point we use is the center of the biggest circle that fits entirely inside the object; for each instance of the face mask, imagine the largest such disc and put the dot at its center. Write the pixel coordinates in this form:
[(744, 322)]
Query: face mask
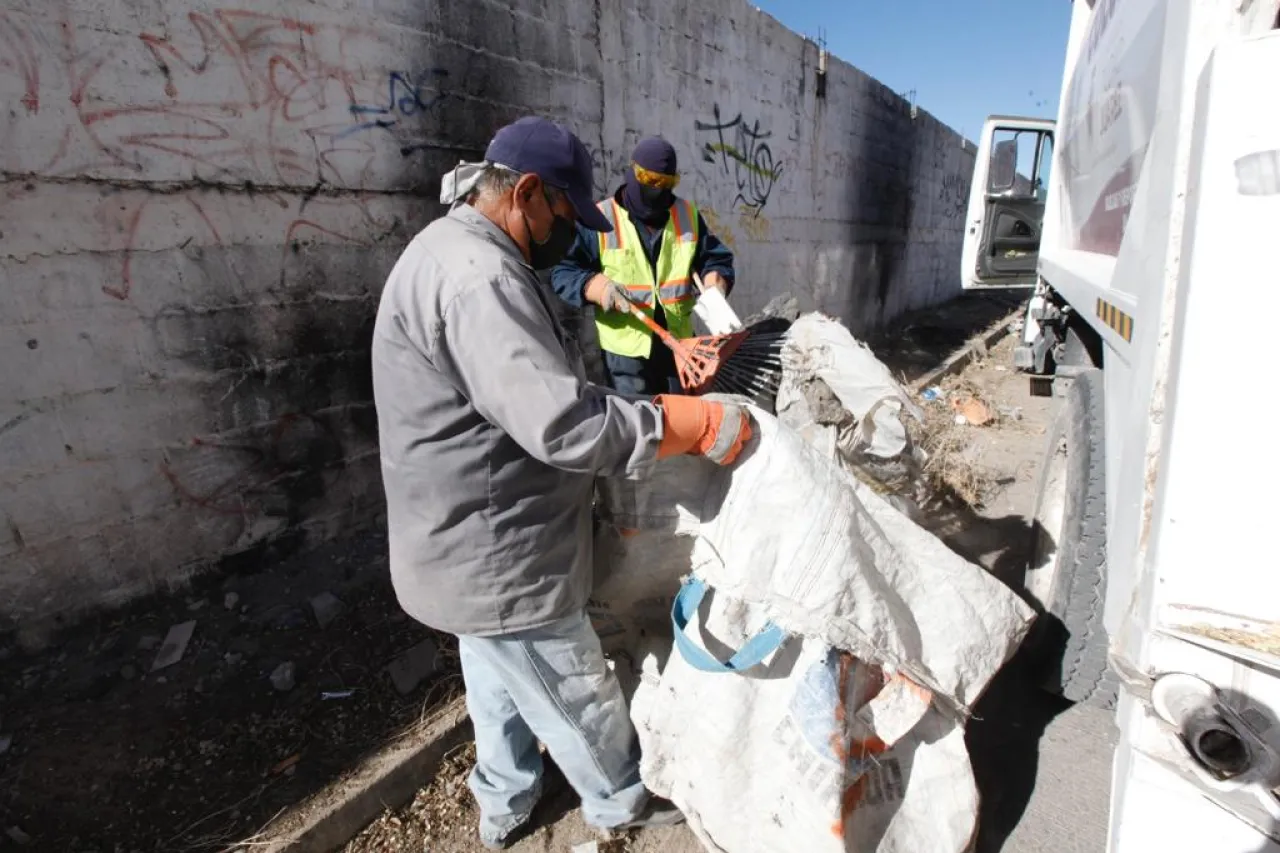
[(551, 251), (657, 199)]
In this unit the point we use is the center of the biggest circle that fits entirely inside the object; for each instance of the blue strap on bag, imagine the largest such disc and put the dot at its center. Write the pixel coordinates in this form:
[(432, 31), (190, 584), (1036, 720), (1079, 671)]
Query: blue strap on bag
[(766, 641)]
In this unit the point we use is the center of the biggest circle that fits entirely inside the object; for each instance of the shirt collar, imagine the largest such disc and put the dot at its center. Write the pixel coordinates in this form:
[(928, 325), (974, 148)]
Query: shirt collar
[(477, 221)]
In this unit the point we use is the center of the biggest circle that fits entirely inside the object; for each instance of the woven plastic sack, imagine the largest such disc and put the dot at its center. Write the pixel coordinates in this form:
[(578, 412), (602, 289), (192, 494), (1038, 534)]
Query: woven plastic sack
[(826, 652)]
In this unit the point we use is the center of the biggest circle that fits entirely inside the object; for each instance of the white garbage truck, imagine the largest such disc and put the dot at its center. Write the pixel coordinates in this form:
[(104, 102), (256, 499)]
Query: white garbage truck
[(1146, 223)]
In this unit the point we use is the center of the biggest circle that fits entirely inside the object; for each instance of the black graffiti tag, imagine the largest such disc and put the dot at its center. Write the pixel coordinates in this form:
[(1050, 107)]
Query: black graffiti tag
[(954, 196), (742, 150)]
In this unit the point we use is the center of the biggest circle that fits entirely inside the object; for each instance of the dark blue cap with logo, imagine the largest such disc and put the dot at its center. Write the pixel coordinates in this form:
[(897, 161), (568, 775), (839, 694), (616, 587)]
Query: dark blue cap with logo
[(550, 151)]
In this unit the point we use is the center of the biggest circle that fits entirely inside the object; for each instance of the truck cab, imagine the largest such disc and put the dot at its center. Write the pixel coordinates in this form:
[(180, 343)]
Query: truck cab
[(1143, 222)]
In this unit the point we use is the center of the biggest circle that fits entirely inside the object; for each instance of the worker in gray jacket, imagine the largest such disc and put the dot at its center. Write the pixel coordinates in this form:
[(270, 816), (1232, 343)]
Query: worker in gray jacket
[(490, 439)]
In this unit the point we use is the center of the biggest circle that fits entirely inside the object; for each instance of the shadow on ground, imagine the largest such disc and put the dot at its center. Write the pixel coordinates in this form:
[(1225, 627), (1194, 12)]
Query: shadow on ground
[(107, 754), (922, 340)]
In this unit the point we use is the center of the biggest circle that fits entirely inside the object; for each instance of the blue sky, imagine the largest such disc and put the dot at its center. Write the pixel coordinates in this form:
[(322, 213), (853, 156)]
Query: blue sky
[(944, 49)]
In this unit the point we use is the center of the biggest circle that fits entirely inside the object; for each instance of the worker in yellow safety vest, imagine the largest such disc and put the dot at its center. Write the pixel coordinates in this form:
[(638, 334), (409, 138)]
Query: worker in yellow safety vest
[(658, 242)]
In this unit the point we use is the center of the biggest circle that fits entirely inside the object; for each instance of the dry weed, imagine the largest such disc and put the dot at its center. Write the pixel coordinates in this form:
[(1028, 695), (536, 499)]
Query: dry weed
[(949, 468)]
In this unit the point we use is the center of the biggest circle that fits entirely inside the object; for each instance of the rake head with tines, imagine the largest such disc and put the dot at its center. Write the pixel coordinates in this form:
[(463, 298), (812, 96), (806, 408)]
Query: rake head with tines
[(699, 361)]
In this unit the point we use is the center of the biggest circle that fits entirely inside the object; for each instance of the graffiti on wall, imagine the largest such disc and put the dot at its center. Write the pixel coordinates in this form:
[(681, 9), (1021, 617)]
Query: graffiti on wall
[(742, 151), (234, 95), (608, 168), (953, 196), (408, 96)]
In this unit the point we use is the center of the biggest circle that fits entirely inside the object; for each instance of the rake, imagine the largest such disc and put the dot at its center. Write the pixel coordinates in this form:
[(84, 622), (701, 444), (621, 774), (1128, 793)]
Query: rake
[(744, 363)]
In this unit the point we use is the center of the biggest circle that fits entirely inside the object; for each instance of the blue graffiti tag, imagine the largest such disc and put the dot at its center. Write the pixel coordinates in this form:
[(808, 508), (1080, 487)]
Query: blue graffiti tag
[(406, 98)]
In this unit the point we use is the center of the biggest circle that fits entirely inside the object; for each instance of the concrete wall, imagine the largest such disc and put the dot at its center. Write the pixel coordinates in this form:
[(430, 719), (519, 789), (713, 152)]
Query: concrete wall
[(200, 204)]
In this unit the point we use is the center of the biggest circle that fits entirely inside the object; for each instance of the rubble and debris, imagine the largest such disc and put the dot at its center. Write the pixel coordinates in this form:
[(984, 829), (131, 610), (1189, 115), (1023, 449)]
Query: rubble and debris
[(327, 607), (933, 394), (972, 410), (285, 617), (284, 677), (17, 836), (232, 658), (198, 604), (175, 645), (230, 600), (413, 666), (439, 813)]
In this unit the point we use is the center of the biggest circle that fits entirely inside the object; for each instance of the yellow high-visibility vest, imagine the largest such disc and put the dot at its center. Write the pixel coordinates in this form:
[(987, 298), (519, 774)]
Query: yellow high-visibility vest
[(623, 260)]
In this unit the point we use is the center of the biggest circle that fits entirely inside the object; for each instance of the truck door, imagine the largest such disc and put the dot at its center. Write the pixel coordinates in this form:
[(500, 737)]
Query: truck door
[(1006, 203)]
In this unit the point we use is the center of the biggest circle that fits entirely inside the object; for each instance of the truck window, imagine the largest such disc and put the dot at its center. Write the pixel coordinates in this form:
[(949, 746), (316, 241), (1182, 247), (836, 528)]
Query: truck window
[(1044, 166), (1013, 162)]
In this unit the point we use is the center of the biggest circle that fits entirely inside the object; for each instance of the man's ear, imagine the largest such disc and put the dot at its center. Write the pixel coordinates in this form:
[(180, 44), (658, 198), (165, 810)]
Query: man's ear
[(527, 187)]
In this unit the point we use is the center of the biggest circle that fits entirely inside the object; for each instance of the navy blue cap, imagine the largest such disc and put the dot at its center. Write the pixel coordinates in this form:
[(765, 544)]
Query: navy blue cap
[(544, 148), (657, 155)]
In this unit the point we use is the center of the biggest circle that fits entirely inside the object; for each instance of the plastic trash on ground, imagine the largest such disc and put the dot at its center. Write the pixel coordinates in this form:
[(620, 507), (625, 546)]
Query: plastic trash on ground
[(804, 654)]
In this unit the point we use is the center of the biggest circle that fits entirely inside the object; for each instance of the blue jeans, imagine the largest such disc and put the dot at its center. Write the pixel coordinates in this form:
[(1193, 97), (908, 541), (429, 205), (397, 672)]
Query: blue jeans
[(549, 684)]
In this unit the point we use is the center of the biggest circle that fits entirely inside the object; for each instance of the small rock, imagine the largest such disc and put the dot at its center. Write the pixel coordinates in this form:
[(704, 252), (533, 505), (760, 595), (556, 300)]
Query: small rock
[(233, 658), (17, 836), (327, 608), (148, 643), (284, 617), (284, 677), (197, 605), (414, 665), (128, 672), (175, 645), (6, 741), (230, 600)]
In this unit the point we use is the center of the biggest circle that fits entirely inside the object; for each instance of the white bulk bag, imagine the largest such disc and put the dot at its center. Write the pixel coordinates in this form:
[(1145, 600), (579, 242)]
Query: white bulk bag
[(827, 649)]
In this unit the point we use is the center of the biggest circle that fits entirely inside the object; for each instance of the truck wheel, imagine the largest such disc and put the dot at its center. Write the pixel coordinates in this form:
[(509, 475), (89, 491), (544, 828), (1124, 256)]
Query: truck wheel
[(1066, 577)]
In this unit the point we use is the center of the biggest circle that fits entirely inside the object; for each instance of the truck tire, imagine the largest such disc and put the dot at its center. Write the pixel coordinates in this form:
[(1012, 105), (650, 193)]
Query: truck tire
[(1066, 578)]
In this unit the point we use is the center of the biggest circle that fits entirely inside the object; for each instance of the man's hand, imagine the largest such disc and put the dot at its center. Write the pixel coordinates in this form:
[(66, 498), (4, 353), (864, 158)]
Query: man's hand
[(701, 427), (606, 294), (716, 281)]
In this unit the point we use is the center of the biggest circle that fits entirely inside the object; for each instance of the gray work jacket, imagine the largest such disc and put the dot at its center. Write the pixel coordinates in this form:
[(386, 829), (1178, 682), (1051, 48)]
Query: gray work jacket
[(490, 435)]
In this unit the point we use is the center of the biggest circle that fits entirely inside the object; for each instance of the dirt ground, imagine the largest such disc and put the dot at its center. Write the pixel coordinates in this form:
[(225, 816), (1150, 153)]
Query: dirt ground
[(107, 755)]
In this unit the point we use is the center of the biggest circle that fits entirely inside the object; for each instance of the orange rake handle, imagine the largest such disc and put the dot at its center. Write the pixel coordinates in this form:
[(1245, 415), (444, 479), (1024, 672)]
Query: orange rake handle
[(665, 336), (697, 359)]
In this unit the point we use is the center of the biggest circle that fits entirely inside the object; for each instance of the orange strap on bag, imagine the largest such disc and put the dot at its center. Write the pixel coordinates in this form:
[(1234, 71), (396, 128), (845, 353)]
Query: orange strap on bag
[(702, 427)]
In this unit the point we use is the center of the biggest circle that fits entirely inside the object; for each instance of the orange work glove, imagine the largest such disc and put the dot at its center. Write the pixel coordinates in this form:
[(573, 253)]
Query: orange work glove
[(717, 431)]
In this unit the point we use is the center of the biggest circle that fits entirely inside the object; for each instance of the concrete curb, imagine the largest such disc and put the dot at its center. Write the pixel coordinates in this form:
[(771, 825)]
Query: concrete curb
[(977, 346), (389, 778)]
